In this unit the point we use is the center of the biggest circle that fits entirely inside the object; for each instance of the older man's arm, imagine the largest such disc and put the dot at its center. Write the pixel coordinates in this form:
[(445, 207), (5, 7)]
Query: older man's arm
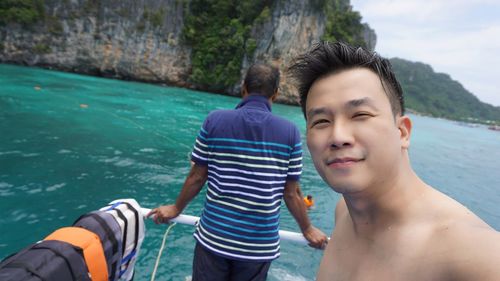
[(296, 206), (192, 186)]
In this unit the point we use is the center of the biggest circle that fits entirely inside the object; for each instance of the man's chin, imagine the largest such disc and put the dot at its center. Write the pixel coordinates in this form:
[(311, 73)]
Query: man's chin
[(346, 188)]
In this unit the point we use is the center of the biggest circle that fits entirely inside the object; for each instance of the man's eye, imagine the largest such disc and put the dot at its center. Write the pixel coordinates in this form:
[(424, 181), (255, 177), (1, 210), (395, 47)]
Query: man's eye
[(318, 122), (362, 115)]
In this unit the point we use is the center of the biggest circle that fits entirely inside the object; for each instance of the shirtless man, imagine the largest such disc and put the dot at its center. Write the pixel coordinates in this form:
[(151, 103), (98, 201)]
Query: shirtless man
[(389, 224)]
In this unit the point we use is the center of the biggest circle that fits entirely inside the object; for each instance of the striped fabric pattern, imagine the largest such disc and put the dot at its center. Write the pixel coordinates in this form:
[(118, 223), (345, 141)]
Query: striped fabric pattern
[(246, 179)]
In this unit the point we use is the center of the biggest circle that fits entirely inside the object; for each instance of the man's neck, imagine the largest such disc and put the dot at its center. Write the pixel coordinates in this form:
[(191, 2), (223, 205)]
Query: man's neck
[(385, 205)]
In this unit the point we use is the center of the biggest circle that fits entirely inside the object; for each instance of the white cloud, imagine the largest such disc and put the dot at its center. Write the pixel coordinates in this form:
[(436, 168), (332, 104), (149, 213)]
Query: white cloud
[(461, 38), (432, 11), (402, 9)]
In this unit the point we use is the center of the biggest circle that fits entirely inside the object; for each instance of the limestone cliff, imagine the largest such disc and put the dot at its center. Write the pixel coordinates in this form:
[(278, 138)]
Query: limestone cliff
[(291, 30), (143, 40), (109, 38)]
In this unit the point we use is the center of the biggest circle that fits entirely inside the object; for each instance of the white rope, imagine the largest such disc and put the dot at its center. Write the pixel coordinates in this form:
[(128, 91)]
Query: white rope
[(161, 250)]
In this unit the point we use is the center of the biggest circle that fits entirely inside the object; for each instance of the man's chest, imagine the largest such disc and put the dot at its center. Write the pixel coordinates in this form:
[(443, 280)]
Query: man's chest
[(393, 258)]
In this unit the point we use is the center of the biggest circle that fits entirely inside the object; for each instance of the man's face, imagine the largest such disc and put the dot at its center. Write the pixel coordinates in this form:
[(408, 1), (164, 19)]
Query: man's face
[(352, 135)]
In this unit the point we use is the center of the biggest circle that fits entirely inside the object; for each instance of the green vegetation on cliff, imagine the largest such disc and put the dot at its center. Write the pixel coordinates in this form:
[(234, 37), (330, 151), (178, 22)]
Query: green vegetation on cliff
[(219, 33), (25, 12), (342, 23), (436, 94)]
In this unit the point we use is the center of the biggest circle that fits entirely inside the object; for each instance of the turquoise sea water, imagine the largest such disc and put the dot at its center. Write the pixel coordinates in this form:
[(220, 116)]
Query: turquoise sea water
[(69, 144)]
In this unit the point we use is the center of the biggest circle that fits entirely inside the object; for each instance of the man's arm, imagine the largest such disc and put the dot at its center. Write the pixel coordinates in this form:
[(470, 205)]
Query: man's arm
[(192, 186), (296, 206)]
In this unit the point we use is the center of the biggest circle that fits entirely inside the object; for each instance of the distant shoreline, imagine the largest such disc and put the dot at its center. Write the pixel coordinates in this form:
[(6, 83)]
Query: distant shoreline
[(470, 123)]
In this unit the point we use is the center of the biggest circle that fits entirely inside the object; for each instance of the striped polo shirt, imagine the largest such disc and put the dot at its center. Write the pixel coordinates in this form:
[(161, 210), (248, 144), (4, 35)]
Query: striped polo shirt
[(250, 154)]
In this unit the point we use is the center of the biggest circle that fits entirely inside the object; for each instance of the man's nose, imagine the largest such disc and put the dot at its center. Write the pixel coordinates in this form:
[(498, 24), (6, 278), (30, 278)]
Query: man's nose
[(340, 135)]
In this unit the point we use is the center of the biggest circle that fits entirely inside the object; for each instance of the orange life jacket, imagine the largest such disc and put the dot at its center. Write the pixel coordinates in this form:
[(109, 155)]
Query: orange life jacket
[(91, 246)]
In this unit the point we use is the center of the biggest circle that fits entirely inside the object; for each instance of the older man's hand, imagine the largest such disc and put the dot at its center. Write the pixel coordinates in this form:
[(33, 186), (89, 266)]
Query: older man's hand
[(317, 239), (164, 214)]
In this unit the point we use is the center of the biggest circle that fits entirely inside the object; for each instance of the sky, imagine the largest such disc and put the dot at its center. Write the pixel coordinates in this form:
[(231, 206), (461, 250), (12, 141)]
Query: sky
[(457, 37)]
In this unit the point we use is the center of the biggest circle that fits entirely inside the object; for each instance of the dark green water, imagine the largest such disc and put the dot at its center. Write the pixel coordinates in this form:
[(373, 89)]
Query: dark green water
[(78, 142)]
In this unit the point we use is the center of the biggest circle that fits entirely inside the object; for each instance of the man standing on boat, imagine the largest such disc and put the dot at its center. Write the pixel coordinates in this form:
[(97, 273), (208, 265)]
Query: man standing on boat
[(389, 224), (252, 160)]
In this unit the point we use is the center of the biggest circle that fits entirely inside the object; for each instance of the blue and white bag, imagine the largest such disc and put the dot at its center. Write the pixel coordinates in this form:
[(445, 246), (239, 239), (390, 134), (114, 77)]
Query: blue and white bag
[(127, 213)]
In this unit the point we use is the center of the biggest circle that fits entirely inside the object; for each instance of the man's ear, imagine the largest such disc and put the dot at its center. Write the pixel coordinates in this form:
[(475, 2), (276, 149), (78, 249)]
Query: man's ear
[(404, 126), (244, 91), (275, 95)]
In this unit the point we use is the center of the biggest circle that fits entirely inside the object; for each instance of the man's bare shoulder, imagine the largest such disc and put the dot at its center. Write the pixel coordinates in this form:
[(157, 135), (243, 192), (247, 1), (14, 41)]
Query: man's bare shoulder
[(471, 251), (463, 241)]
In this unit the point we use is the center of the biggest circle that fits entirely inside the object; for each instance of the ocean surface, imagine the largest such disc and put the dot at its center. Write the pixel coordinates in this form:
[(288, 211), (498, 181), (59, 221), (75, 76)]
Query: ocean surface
[(69, 144)]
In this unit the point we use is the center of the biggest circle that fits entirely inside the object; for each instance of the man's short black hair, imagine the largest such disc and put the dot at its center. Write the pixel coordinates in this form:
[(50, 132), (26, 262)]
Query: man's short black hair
[(328, 58), (262, 79)]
